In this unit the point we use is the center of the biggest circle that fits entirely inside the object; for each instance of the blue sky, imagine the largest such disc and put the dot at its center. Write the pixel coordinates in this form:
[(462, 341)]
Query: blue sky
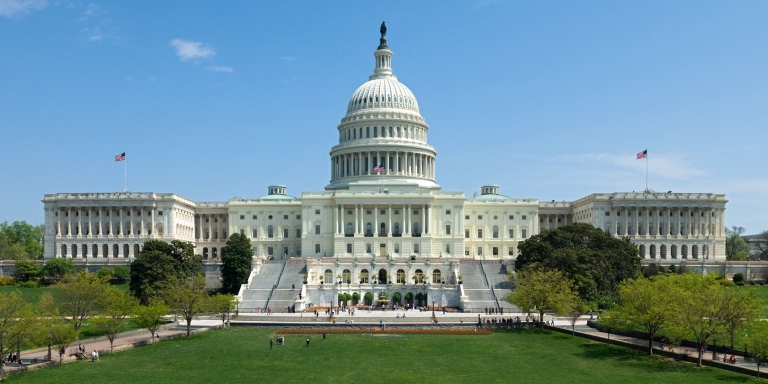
[(550, 100)]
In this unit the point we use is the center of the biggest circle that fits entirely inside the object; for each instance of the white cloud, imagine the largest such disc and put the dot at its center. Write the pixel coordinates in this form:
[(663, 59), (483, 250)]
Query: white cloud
[(221, 69), (187, 50), (288, 58), (668, 166), (10, 8)]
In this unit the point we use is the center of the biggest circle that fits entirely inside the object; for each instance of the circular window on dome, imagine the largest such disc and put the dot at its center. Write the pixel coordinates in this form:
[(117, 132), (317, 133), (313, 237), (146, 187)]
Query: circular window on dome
[(270, 217)]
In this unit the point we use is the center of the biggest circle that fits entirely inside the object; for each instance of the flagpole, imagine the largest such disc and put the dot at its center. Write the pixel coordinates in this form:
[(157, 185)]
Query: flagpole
[(646, 173), (125, 175)]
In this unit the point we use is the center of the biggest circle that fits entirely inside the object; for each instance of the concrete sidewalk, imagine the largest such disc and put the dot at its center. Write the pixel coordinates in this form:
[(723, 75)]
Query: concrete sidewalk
[(101, 343)]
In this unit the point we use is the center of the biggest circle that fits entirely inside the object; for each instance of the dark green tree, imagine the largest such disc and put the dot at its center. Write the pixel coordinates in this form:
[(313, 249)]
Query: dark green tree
[(27, 269), (121, 274), (158, 264), (236, 256), (56, 269), (595, 261), (23, 240)]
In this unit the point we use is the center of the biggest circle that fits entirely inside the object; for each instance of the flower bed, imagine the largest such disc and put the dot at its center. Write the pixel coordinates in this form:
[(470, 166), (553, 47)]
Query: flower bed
[(415, 331)]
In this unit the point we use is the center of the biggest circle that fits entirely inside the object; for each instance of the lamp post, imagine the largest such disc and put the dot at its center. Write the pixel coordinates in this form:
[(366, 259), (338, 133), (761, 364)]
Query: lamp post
[(433, 309)]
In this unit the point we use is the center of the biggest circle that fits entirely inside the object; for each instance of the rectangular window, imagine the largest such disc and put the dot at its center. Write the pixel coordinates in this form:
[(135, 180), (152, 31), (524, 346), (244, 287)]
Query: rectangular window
[(298, 250), (317, 211), (523, 217), (298, 217), (242, 232), (466, 233), (447, 211), (618, 213), (479, 217), (397, 211), (255, 217), (317, 229), (511, 217), (285, 251), (523, 233), (285, 217), (447, 229), (479, 233), (495, 251), (415, 211), (511, 251), (317, 248), (367, 211), (511, 233), (607, 213), (160, 213), (255, 233), (242, 217), (298, 233), (270, 251), (285, 233), (479, 251), (368, 248), (349, 212), (383, 211), (349, 248), (255, 251), (448, 249), (466, 217)]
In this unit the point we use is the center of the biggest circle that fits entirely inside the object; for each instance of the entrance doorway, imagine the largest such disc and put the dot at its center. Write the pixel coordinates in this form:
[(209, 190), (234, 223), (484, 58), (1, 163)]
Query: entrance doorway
[(383, 250), (383, 276)]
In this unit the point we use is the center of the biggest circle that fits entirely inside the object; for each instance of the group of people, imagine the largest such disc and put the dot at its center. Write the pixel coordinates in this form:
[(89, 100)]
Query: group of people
[(12, 358), (494, 311)]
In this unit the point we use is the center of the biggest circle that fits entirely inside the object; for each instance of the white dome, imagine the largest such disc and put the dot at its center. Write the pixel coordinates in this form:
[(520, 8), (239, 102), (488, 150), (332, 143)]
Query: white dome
[(385, 93)]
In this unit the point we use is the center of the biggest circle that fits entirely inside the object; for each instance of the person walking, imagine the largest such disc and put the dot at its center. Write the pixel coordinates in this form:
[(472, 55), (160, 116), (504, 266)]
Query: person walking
[(270, 344), (293, 287), (307, 341), (93, 356)]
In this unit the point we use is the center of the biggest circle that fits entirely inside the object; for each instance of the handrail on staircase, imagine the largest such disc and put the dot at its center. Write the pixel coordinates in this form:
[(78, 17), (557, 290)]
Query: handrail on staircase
[(271, 291)]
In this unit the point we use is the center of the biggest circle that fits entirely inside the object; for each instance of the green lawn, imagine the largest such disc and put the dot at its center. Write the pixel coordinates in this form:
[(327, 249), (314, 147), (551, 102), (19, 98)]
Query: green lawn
[(243, 355), (32, 295)]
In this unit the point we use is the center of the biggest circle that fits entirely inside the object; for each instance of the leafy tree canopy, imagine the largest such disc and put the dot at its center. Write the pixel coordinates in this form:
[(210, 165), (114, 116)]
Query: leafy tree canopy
[(594, 260), (158, 264), (21, 241), (56, 269), (236, 256)]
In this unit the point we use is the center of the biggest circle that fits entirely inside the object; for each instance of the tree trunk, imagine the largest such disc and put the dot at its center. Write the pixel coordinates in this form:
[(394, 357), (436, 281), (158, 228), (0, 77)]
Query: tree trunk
[(189, 324), (700, 354), (650, 344), (541, 320), (111, 346), (50, 356), (573, 329), (2, 368)]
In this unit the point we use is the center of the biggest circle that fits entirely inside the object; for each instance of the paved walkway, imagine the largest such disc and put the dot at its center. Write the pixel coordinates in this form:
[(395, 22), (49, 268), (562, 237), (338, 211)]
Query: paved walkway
[(125, 338)]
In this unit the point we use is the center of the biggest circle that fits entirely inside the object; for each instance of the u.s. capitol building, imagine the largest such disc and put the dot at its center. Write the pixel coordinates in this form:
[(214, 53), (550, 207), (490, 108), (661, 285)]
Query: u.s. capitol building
[(390, 223)]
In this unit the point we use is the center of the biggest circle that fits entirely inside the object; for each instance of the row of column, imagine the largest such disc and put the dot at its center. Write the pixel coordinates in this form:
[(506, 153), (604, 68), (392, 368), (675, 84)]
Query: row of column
[(554, 224), (111, 226), (214, 223), (407, 219), (670, 223), (394, 162), (355, 133)]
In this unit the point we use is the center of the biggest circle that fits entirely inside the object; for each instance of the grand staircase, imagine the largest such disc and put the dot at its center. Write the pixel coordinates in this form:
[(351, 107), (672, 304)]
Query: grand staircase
[(271, 287)]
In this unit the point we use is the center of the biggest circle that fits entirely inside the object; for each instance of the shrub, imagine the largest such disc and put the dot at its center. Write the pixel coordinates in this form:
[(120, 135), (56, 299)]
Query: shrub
[(605, 302), (7, 281), (728, 283), (28, 284), (671, 269), (738, 279), (121, 274)]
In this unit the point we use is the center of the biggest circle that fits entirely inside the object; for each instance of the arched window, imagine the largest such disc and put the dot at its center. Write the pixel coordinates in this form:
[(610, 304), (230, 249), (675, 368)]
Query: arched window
[(419, 275), (105, 250), (125, 250), (695, 251), (205, 253), (115, 250), (642, 251), (437, 277), (63, 250), (214, 252), (673, 251), (346, 276), (270, 232), (495, 231), (96, 251), (401, 276), (653, 251), (684, 251), (364, 275), (328, 276), (74, 251)]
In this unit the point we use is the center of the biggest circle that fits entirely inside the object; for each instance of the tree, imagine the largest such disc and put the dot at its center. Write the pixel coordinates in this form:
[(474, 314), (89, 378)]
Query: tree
[(151, 317), (355, 298), (738, 279), (543, 290), (575, 310), (82, 295), (757, 342), (221, 304), (741, 306), (760, 243), (610, 322), (368, 297), (187, 295), (646, 304), (121, 274), (736, 248), (56, 269), (236, 256), (16, 316), (26, 270), (699, 304), (105, 273), (117, 306), (24, 240), (61, 335), (595, 261), (158, 265)]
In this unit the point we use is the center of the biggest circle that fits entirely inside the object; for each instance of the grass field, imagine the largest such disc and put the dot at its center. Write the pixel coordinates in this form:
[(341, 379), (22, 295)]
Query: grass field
[(243, 355), (32, 295)]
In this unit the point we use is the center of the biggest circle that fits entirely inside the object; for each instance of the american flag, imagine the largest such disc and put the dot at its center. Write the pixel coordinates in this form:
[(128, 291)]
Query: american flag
[(643, 154), (120, 157), (378, 168)]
